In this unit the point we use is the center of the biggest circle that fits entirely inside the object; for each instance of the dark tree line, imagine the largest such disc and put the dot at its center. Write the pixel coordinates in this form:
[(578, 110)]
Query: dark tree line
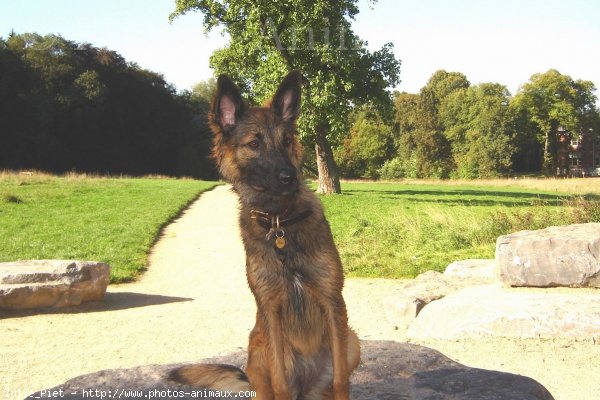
[(70, 106), (67, 106)]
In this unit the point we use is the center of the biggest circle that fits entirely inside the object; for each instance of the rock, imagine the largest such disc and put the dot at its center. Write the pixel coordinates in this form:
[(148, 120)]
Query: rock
[(51, 283), (556, 256), (412, 296), (389, 370), (481, 269), (493, 310)]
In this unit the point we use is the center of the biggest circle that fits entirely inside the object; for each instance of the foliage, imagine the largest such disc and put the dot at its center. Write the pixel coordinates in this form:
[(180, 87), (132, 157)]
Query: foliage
[(401, 230), (454, 129), (443, 83), (420, 131), (405, 117), (478, 124), (204, 91), (585, 209), (367, 147), (71, 106), (268, 39), (399, 168), (110, 220), (552, 100)]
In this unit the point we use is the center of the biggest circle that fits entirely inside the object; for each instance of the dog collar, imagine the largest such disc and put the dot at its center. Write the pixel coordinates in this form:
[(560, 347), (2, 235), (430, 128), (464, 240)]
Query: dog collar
[(275, 223)]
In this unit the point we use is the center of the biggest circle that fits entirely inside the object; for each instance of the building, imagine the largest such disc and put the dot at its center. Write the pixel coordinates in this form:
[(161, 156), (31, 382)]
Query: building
[(578, 155)]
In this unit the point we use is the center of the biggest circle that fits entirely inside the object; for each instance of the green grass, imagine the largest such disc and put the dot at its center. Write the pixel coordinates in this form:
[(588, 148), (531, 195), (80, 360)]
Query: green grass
[(401, 230), (381, 229), (103, 219)]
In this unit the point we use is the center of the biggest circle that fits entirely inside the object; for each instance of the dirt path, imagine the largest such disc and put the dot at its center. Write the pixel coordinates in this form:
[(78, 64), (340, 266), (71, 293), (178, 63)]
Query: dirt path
[(193, 303)]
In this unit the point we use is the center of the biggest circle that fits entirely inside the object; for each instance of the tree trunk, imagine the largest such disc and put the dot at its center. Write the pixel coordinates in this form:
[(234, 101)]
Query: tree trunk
[(329, 180), (548, 162)]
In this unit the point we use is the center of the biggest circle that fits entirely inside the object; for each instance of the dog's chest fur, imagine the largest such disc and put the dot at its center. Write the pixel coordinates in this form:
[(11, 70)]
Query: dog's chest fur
[(290, 272), (288, 279)]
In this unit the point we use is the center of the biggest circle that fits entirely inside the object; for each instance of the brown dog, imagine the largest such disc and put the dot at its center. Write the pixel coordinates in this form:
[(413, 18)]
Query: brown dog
[(301, 346)]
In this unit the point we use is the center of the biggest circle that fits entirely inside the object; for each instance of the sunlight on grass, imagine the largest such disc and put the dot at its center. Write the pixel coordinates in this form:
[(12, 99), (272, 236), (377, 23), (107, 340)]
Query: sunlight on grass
[(401, 230), (78, 217), (392, 230)]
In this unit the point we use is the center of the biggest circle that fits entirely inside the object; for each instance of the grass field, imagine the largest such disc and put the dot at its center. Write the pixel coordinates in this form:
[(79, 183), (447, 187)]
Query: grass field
[(388, 230), (76, 217), (400, 230)]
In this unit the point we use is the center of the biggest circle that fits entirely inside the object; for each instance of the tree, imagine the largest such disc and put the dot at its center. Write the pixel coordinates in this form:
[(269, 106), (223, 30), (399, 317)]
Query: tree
[(443, 83), (71, 106), (205, 90), (421, 141), (369, 144), (405, 116), (479, 125), (268, 39), (552, 100)]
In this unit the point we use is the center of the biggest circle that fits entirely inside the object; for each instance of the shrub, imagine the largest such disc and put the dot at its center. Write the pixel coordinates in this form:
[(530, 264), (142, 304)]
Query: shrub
[(398, 168), (584, 209)]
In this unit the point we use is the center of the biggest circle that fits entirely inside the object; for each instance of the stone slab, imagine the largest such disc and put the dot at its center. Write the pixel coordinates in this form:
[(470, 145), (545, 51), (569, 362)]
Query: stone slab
[(494, 310), (389, 371), (51, 283), (557, 256), (412, 296), (483, 269)]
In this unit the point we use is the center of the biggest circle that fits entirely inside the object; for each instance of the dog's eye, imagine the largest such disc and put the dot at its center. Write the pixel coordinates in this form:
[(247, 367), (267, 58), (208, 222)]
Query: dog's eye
[(254, 144), (287, 141)]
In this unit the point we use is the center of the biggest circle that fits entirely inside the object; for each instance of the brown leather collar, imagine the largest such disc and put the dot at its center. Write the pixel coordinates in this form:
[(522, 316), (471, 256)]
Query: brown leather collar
[(269, 221)]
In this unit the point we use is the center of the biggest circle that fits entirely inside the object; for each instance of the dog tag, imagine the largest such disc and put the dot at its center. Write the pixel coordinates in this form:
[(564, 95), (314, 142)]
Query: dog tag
[(279, 240)]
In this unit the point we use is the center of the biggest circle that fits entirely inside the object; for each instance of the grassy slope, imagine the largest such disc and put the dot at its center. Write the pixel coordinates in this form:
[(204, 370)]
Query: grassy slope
[(110, 220), (400, 230)]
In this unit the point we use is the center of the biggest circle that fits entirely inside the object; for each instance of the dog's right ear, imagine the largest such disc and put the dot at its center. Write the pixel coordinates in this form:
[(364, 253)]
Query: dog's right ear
[(228, 105)]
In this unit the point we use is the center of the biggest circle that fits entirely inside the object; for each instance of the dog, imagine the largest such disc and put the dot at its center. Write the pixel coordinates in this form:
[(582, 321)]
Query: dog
[(301, 347)]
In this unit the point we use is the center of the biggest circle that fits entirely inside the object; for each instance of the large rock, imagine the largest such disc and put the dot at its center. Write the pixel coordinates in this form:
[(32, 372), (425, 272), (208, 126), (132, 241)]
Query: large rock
[(51, 283), (556, 256), (409, 299), (389, 371), (478, 270), (493, 310)]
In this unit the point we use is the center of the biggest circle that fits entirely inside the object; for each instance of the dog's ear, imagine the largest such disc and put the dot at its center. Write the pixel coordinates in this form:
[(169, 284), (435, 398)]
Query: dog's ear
[(228, 105), (286, 102)]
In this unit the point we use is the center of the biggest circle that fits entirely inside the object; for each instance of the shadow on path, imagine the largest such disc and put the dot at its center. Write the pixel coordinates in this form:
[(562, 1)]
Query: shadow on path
[(112, 302)]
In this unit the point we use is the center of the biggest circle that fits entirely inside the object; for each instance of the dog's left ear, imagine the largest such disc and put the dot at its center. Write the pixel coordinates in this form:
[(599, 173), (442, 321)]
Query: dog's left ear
[(286, 102), (228, 105)]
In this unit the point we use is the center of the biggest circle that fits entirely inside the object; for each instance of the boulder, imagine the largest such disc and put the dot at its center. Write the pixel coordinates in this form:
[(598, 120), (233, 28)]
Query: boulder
[(494, 310), (51, 283), (556, 256), (410, 297), (482, 269), (389, 370)]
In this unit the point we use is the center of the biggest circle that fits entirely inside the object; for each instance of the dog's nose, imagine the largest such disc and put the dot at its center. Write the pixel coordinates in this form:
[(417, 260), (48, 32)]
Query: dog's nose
[(287, 176)]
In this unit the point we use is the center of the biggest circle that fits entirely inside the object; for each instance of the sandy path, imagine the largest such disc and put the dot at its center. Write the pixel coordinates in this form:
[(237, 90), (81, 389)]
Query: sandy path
[(193, 303)]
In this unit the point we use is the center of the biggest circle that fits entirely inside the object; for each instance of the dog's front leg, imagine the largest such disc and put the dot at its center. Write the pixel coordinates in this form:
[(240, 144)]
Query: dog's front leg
[(279, 381), (338, 336), (258, 369)]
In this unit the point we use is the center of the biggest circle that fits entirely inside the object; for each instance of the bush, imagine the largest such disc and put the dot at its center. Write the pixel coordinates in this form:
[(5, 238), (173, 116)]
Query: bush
[(584, 209), (398, 168), (465, 170)]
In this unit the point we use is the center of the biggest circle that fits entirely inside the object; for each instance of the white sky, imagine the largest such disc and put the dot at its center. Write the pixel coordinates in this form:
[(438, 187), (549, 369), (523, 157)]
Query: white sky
[(504, 41)]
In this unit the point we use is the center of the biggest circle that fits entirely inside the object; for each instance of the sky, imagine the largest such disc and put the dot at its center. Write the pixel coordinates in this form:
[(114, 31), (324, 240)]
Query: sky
[(504, 41)]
